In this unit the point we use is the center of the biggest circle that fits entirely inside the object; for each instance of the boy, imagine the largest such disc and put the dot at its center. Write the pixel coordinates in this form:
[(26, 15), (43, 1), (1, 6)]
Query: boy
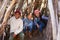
[(16, 26)]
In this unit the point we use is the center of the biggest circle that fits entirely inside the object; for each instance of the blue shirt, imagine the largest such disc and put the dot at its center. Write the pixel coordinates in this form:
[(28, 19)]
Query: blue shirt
[(27, 22), (37, 20)]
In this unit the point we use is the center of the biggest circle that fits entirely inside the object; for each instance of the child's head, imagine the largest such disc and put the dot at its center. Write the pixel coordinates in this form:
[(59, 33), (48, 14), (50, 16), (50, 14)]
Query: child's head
[(29, 16), (37, 13), (17, 14)]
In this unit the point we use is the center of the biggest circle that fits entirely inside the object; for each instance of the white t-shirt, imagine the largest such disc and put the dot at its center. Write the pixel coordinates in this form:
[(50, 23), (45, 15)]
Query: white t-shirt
[(16, 25)]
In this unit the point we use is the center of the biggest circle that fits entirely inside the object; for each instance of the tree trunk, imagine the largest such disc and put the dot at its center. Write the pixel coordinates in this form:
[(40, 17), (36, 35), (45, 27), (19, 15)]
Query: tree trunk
[(50, 6)]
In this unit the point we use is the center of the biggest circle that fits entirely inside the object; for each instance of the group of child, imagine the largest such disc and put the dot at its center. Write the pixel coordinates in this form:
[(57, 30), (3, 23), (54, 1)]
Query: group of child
[(34, 22), (31, 21)]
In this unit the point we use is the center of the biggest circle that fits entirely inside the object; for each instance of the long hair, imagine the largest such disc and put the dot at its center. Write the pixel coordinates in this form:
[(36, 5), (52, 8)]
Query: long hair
[(40, 15)]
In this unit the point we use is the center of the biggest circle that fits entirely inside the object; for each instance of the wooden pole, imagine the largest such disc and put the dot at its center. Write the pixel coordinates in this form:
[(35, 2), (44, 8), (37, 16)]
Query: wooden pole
[(42, 5), (50, 6), (55, 5)]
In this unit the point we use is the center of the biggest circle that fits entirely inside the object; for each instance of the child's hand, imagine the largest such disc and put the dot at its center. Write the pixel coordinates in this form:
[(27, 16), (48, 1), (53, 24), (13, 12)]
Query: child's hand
[(14, 35), (37, 26)]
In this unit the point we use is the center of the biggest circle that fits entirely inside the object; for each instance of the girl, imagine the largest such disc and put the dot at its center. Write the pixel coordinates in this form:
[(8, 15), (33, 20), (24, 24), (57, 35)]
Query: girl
[(38, 24)]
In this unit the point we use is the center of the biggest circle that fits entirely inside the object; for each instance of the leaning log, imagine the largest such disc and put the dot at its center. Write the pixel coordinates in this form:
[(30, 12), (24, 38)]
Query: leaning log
[(7, 15), (50, 6), (3, 8)]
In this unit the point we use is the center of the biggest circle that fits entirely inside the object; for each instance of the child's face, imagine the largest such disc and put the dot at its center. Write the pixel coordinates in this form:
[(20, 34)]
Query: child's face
[(29, 16), (17, 15), (37, 14)]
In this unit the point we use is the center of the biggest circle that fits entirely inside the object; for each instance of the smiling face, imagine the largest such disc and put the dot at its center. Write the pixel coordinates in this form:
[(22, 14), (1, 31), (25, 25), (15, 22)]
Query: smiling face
[(17, 15), (37, 13), (29, 16)]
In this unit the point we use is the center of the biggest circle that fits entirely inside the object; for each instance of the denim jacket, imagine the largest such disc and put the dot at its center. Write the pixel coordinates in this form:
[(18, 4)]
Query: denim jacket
[(27, 22), (37, 20)]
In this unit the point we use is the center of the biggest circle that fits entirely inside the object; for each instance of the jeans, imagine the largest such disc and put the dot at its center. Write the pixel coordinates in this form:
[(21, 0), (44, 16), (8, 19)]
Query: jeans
[(41, 26), (29, 28)]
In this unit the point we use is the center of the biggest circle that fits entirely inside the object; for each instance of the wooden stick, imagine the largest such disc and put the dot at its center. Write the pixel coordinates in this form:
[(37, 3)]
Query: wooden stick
[(3, 8)]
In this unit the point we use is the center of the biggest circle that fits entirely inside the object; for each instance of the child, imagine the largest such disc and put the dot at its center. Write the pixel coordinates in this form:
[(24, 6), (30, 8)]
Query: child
[(16, 26), (38, 24), (28, 24)]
